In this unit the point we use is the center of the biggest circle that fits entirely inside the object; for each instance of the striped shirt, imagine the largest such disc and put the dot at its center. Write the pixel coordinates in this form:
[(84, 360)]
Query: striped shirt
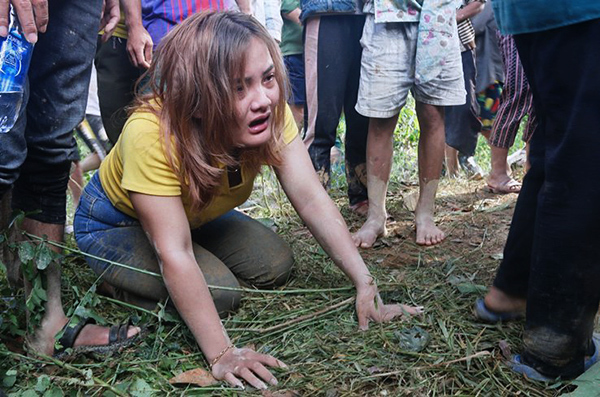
[(160, 16)]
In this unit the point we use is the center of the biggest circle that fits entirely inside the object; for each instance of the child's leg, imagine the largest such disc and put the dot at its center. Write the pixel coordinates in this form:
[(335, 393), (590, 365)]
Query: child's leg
[(431, 155), (379, 164)]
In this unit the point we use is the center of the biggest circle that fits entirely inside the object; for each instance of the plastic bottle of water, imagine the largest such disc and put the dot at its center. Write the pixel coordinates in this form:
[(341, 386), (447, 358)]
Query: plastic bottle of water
[(15, 55)]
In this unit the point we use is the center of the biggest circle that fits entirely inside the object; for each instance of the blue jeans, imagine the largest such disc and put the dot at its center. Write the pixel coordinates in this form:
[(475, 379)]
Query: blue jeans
[(231, 250), (36, 155), (294, 65)]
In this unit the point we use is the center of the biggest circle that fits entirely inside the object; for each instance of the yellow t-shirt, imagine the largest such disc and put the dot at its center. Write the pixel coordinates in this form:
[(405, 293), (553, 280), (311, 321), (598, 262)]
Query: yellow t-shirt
[(138, 163), (120, 30)]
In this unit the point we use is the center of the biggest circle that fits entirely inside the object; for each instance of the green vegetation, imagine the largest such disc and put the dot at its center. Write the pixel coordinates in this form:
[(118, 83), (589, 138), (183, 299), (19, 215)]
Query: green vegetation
[(310, 324)]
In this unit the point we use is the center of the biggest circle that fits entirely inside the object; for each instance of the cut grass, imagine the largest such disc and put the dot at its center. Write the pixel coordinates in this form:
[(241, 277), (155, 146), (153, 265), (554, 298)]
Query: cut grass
[(311, 324)]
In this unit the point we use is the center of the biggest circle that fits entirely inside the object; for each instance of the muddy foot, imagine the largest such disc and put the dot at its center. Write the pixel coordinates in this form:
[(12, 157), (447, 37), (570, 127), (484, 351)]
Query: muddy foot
[(427, 232), (369, 232)]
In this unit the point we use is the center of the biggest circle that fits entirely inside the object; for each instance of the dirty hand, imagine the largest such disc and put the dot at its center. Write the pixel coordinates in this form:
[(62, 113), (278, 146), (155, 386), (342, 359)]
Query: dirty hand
[(370, 307), (246, 364), (32, 14)]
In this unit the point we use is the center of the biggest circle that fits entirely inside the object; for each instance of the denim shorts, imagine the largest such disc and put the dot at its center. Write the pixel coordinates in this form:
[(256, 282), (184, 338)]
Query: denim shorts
[(388, 71), (295, 69), (35, 155)]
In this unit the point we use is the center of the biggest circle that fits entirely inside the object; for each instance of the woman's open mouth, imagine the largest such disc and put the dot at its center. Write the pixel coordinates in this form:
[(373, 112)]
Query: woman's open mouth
[(259, 124)]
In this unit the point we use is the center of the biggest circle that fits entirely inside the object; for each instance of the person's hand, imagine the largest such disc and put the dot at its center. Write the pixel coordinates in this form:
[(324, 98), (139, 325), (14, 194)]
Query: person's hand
[(370, 307), (32, 14), (139, 47), (111, 14), (248, 365)]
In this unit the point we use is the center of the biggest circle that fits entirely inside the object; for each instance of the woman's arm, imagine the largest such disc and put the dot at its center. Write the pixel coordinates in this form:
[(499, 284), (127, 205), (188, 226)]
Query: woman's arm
[(165, 223), (325, 222)]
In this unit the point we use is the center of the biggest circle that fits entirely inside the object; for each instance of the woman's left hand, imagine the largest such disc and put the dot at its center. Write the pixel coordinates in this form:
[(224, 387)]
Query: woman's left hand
[(370, 307)]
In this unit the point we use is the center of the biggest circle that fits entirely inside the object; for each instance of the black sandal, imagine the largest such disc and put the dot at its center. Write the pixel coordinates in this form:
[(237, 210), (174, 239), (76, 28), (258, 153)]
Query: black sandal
[(117, 339)]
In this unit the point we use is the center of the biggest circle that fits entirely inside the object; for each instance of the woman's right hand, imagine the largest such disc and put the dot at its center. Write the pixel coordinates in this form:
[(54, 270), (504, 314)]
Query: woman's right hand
[(248, 365)]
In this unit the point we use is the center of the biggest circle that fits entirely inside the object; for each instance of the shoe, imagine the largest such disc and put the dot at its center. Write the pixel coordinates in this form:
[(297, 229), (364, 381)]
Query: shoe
[(117, 340), (470, 166), (517, 365), (517, 158), (484, 314)]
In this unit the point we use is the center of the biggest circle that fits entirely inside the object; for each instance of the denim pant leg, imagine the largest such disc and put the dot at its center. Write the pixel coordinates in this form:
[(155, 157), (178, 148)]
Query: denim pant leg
[(557, 215), (103, 231), (59, 78)]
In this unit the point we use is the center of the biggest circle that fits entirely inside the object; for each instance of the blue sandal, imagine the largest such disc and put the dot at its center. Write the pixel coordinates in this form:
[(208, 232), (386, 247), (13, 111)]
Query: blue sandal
[(482, 313), (516, 364)]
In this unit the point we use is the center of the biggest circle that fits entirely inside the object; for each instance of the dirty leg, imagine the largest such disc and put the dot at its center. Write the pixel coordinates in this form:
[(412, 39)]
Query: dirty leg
[(379, 165), (431, 155)]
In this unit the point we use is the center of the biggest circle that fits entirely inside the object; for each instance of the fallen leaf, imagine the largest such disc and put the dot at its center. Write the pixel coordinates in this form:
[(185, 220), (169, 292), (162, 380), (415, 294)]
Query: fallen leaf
[(196, 376)]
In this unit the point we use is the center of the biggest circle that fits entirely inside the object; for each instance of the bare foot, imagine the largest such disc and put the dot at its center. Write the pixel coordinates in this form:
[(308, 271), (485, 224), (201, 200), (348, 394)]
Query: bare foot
[(369, 232), (427, 232), (91, 335), (500, 302)]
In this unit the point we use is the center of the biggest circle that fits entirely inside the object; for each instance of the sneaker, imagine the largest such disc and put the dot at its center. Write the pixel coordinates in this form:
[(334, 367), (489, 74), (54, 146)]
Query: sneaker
[(470, 166)]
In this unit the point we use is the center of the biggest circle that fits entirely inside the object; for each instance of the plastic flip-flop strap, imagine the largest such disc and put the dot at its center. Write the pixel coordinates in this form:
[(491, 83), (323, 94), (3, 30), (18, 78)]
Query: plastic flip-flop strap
[(71, 333), (118, 333), (483, 313)]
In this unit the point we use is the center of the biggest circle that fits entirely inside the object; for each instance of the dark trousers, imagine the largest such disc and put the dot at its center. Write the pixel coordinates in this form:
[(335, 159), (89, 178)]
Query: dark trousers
[(332, 68), (116, 82), (462, 123), (552, 255)]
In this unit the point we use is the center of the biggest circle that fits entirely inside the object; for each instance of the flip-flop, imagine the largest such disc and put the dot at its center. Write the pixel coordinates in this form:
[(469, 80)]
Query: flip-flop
[(117, 340), (511, 186), (482, 313), (517, 365)]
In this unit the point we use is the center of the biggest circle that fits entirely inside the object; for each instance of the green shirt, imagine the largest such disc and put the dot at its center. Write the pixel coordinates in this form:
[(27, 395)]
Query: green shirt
[(291, 33)]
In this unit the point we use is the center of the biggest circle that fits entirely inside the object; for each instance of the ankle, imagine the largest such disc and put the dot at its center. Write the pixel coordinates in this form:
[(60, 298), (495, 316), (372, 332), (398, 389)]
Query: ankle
[(498, 300)]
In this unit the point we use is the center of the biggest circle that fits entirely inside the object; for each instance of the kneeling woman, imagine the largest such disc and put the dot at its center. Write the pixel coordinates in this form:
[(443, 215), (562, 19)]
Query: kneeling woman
[(163, 199)]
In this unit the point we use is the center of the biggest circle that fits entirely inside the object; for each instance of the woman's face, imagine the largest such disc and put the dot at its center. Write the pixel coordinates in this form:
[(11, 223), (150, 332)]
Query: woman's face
[(258, 93)]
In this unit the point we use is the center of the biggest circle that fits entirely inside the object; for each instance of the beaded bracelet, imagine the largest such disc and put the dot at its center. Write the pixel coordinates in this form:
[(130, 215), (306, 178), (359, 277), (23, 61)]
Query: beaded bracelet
[(220, 355)]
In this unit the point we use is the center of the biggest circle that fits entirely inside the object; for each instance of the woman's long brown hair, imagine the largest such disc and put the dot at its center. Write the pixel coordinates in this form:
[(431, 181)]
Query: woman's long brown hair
[(191, 87)]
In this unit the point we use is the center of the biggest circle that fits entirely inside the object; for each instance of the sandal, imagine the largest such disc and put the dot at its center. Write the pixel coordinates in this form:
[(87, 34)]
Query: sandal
[(517, 365), (510, 186), (483, 313), (117, 339)]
